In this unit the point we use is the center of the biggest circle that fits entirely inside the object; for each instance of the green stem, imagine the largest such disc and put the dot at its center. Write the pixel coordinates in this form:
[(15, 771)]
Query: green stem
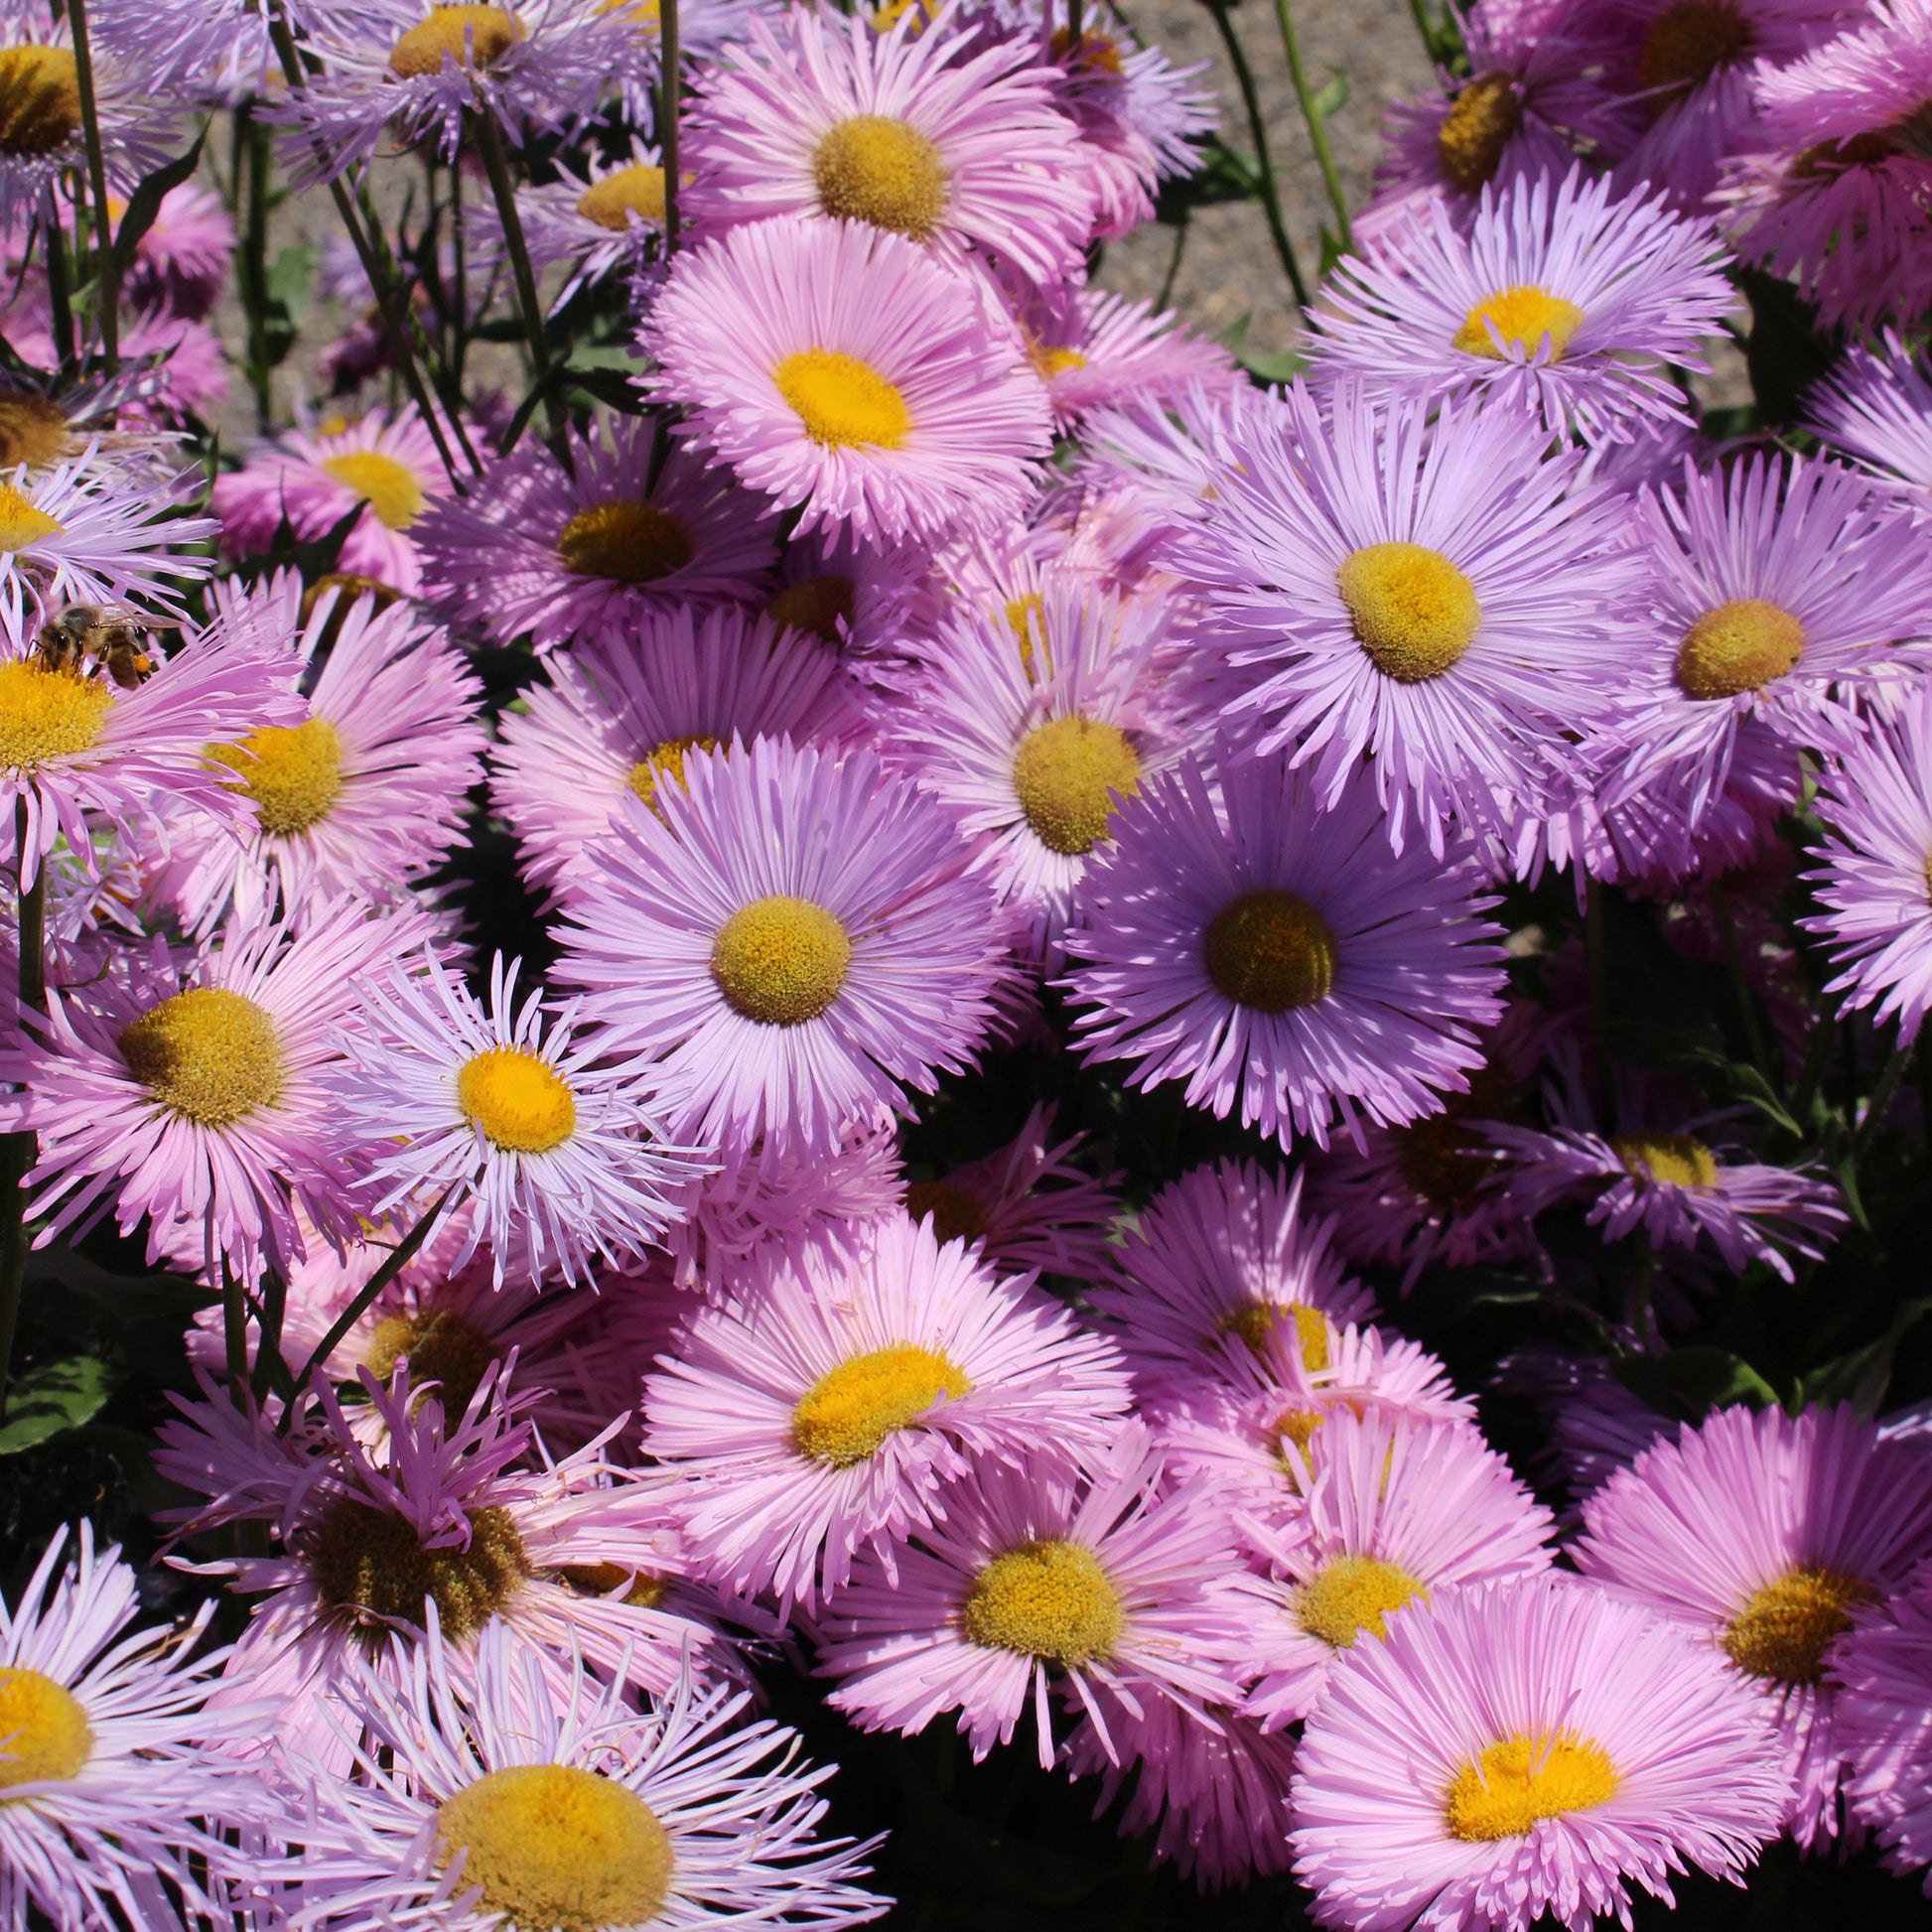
[(1742, 991), (490, 141), (1880, 1105), (18, 1152), (108, 288), (1073, 34), (1318, 127), (234, 1335), (671, 88), (1271, 199), (1168, 280), (1597, 957), (269, 1367), (1424, 27), (251, 164), (59, 301)]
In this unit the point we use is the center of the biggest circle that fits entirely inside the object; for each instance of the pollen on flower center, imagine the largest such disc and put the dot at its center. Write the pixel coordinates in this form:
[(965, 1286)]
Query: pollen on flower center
[(1477, 129), (1785, 1628), (872, 168), (20, 525), (1021, 619), (822, 605), (1070, 774), (1413, 610), (844, 403), (371, 1564), (40, 100), (1269, 950), (625, 540), (1737, 647), (1045, 1598), (1293, 1430), (1254, 1321), (211, 1054), (523, 1103), (471, 35), (636, 190), (1054, 362), (1690, 42), (956, 1216), (49, 714), (45, 1736), (1676, 1159), (389, 487), (1524, 316), (293, 773), (558, 1848), (441, 1348), (1349, 1594), (1522, 1780), (33, 429), (847, 1414), (665, 761), (780, 960)]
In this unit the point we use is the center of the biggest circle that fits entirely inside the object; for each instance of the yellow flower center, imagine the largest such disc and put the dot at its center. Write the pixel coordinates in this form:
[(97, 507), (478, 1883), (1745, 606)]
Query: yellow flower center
[(371, 1563), (40, 100), (1070, 774), (637, 190), (1785, 1629), (1738, 647), (49, 714), (646, 14), (1254, 1321), (1676, 1159), (1047, 1598), (1477, 129), (1097, 53), (956, 1216), (645, 1592), (846, 1415), (211, 1054), (20, 525), (820, 605), (663, 761), (386, 486), (844, 403), (45, 1736), (31, 428), (627, 541), (1523, 317), (1413, 610), (558, 1848), (872, 168), (1023, 617), (1054, 362), (1293, 1430), (294, 775), (349, 586), (780, 960), (441, 1348), (1350, 1594), (1270, 951), (523, 1103), (1690, 42), (471, 35), (1521, 1781)]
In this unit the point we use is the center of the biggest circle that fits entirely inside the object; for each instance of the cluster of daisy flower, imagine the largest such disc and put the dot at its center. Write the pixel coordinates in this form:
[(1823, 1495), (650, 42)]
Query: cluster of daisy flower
[(807, 1003)]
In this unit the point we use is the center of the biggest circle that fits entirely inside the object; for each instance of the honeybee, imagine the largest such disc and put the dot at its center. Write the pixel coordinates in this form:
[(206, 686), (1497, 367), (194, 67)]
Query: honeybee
[(117, 637)]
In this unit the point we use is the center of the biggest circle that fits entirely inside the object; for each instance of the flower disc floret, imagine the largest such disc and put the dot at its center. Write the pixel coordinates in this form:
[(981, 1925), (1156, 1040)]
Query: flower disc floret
[(374, 1565), (40, 100), (389, 487), (211, 1054), (1069, 774), (557, 1848), (842, 402), (1785, 1628), (1738, 646), (22, 523), (879, 169), (1350, 1594), (956, 1216), (45, 1736), (1675, 1160), (1255, 1322), (441, 1348), (470, 36), (33, 429), (613, 200), (1412, 610), (1520, 1781), (665, 761), (1521, 317), (845, 1416), (780, 960), (1047, 1599), (626, 541), (294, 775), (1690, 42), (519, 1101), (1270, 950), (48, 715), (1478, 128)]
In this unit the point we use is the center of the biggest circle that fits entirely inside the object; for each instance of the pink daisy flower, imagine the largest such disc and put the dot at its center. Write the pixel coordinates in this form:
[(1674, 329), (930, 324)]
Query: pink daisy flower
[(1883, 1673), (1877, 804), (561, 1151), (1094, 349), (1223, 1251), (505, 1797), (113, 1779), (1561, 299), (1777, 591), (824, 1408), (362, 796), (1086, 1577), (856, 596), (1025, 1203), (190, 1092), (312, 480), (1399, 1508), (607, 222), (1428, 590), (1265, 950), (1762, 1533), (615, 719), (181, 264), (626, 535), (1523, 1749), (836, 368), (791, 941), (1596, 1425), (1876, 409), (949, 139)]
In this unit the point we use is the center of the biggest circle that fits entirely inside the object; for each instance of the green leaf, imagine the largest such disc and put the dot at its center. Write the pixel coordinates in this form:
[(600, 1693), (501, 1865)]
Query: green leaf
[(145, 203), (1224, 175), (46, 1401), (128, 1298), (1236, 332), (1284, 367), (1332, 98), (1860, 1375), (1688, 1383)]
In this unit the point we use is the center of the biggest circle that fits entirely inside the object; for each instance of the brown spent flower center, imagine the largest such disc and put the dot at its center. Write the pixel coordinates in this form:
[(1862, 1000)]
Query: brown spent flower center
[(1270, 951), (471, 35), (821, 605), (1737, 647), (40, 100), (33, 429), (370, 1565), (1477, 129), (956, 1216), (442, 1347), (642, 1591), (624, 540), (1690, 42), (1785, 1629)]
